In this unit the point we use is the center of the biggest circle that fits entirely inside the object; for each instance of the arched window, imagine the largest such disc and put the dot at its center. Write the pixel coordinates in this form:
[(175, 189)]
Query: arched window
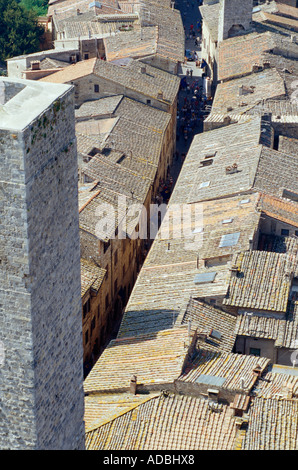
[(235, 30)]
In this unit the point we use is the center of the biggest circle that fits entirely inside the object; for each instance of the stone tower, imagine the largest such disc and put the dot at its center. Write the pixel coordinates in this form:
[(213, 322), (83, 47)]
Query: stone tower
[(41, 355), (235, 17)]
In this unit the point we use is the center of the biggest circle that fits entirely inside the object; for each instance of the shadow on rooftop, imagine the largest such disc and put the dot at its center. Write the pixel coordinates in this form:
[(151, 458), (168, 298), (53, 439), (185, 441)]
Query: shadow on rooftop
[(139, 324)]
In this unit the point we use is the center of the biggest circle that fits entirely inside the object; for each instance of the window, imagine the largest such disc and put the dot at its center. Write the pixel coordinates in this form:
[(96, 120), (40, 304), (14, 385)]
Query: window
[(115, 287), (92, 324), (254, 351), (204, 278), (207, 162), (227, 221), (205, 184), (107, 301), (284, 232), (86, 308), (230, 239), (86, 56), (120, 160), (96, 88), (86, 337), (296, 233), (115, 258), (148, 101)]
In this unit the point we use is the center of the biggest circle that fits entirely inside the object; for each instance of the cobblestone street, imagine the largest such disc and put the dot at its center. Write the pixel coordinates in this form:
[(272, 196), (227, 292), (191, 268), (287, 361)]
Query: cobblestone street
[(190, 74)]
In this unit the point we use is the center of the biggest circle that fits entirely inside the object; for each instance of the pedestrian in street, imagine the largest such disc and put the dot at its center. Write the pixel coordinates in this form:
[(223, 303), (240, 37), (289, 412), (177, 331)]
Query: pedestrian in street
[(191, 72)]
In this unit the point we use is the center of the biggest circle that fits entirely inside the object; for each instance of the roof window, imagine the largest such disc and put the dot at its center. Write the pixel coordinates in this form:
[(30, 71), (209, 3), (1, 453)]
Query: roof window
[(230, 239)]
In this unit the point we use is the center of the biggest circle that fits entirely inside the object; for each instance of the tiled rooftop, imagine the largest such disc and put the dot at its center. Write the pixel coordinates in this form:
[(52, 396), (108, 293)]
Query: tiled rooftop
[(100, 409), (276, 171), (170, 40), (206, 318), (263, 281), (68, 8), (117, 178), (228, 368), (93, 207), (283, 331), (80, 69), (278, 382), (167, 422), (273, 424), (210, 15), (243, 93), (257, 167), (150, 83), (280, 209), (237, 55), (235, 144), (155, 359), (134, 44), (288, 145), (100, 107), (89, 24), (92, 276)]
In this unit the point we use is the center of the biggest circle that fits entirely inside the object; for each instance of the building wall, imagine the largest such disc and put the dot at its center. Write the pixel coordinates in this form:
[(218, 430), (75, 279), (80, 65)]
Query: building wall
[(42, 400), (17, 65), (161, 63), (95, 324), (244, 345), (269, 226), (209, 52)]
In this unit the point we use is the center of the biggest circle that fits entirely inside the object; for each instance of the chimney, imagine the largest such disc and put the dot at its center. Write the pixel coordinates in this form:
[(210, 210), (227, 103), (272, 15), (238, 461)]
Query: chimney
[(133, 385), (255, 68), (240, 90), (35, 65), (266, 64), (242, 383), (232, 169), (78, 11), (293, 38), (143, 69), (202, 335), (257, 371), (160, 95), (234, 270)]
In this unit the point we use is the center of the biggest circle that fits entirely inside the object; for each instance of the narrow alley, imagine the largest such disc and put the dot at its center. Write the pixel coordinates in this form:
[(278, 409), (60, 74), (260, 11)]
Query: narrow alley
[(192, 103)]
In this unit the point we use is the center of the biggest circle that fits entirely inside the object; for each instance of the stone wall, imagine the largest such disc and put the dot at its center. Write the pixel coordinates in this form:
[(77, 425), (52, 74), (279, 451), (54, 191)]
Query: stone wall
[(234, 14), (42, 400)]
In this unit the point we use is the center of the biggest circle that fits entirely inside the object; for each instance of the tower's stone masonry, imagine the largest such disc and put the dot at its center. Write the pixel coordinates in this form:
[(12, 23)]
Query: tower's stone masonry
[(41, 371), (235, 17)]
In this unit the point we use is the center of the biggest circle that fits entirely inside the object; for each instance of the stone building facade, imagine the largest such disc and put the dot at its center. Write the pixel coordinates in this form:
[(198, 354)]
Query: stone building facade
[(42, 401), (234, 17)]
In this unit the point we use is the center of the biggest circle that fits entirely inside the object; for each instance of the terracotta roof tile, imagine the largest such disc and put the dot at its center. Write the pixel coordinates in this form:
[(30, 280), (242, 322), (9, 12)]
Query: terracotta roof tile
[(162, 423), (144, 356)]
